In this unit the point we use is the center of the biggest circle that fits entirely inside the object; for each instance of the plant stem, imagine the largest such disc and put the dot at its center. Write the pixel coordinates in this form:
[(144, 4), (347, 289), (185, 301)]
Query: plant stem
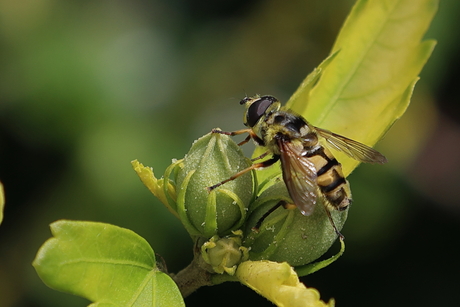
[(192, 277)]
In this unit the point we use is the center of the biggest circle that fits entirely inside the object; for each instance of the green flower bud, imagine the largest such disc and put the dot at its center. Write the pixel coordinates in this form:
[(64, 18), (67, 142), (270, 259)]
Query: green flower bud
[(287, 235), (213, 158), (224, 254)]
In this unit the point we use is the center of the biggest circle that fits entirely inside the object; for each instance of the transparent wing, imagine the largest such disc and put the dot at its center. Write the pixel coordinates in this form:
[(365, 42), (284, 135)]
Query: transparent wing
[(355, 150), (299, 174)]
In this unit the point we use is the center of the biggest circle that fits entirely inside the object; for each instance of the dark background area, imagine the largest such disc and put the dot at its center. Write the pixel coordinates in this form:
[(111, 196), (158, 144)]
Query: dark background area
[(88, 86)]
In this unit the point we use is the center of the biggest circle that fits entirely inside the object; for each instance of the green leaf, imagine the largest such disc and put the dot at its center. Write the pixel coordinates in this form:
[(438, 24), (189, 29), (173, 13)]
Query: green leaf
[(109, 265), (367, 85), (279, 283), (2, 202)]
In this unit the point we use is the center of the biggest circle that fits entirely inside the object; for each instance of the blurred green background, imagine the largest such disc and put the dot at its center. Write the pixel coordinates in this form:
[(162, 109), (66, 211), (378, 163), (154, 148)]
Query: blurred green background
[(88, 86)]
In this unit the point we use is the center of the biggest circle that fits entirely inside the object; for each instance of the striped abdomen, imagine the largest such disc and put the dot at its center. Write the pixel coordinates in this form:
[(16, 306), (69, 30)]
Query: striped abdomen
[(330, 180)]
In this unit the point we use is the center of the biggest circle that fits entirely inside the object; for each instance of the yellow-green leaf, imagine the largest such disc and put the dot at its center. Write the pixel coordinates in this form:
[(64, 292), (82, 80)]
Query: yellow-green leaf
[(163, 191), (279, 283), (2, 202), (109, 265), (378, 56)]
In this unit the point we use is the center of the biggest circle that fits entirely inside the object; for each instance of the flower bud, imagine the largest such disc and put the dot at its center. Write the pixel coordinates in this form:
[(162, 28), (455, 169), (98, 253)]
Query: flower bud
[(287, 235), (224, 254), (213, 158)]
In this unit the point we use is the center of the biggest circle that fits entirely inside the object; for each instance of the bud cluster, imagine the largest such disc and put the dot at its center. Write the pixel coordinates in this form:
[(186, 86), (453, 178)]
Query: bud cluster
[(213, 216)]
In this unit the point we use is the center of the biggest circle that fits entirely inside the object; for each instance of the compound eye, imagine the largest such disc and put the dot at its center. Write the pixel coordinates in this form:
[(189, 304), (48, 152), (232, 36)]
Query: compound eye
[(257, 109)]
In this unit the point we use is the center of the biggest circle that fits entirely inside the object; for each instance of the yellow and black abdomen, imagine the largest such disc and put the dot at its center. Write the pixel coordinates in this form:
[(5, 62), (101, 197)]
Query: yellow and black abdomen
[(330, 178)]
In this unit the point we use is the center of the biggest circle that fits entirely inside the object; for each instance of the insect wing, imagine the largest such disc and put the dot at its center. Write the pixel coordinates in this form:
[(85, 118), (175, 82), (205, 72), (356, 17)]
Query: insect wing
[(299, 175), (354, 149)]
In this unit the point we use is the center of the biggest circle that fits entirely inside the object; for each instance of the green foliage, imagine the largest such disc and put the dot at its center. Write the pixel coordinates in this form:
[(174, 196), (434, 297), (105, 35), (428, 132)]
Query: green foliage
[(279, 283), (2, 202), (368, 85), (109, 265), (367, 82)]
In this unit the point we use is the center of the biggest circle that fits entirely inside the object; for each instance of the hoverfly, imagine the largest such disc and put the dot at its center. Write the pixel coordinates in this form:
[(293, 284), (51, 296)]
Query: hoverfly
[(309, 169)]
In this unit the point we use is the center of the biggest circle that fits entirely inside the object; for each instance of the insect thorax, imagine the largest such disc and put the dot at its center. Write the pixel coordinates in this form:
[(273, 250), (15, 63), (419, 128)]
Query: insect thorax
[(287, 127)]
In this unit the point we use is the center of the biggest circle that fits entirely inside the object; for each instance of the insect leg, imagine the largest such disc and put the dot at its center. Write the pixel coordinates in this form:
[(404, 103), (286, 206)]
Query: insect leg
[(263, 164), (328, 212), (260, 157), (245, 140), (232, 133), (251, 135)]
